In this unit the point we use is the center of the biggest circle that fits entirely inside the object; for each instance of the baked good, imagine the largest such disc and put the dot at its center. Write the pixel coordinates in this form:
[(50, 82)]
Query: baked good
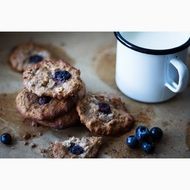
[(85, 147), (27, 54), (39, 108), (44, 107), (104, 115), (62, 121), (52, 78)]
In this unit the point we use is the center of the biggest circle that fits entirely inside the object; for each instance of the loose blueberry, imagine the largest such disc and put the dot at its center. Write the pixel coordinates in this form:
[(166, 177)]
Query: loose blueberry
[(61, 75), (147, 147), (44, 100), (104, 108), (142, 134), (6, 138), (76, 149), (132, 141), (35, 58), (156, 133)]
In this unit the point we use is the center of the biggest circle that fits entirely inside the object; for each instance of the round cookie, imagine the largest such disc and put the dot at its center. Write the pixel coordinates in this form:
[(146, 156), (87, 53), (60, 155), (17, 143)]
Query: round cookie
[(104, 115), (27, 54), (45, 108), (52, 78), (63, 121)]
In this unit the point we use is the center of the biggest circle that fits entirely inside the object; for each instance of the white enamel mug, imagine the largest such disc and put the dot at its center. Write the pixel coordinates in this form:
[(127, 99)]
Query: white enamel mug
[(150, 66)]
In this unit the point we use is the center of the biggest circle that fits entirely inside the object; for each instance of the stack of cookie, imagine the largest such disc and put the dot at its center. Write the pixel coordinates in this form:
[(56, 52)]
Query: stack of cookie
[(51, 92)]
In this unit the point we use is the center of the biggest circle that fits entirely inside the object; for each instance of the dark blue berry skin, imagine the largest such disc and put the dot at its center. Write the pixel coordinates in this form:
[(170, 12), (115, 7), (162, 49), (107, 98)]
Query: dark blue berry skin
[(142, 134), (72, 144), (35, 58), (44, 100), (76, 149), (132, 141), (6, 138), (104, 108), (147, 147), (156, 133), (61, 76)]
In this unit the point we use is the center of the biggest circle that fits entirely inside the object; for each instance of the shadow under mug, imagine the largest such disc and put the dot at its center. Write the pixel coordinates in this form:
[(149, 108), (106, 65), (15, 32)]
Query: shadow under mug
[(153, 74)]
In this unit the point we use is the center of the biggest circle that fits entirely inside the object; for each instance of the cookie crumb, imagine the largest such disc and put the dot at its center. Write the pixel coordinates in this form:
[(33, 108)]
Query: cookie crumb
[(114, 150), (43, 151), (40, 133), (27, 136), (33, 145), (26, 143)]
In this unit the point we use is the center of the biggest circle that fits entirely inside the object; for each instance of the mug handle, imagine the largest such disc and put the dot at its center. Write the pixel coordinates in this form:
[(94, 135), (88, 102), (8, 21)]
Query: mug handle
[(183, 73)]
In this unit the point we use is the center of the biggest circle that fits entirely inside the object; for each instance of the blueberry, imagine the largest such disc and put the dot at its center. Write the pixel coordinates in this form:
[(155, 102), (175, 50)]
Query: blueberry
[(44, 100), (132, 141), (76, 149), (156, 133), (72, 144), (104, 108), (147, 147), (6, 138), (142, 134), (35, 58), (61, 75)]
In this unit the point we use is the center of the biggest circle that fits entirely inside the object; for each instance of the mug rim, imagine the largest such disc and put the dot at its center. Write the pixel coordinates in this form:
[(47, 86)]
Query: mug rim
[(151, 51)]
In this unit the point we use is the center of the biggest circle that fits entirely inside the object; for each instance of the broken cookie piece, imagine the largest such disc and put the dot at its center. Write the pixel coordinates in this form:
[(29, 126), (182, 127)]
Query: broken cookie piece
[(85, 147)]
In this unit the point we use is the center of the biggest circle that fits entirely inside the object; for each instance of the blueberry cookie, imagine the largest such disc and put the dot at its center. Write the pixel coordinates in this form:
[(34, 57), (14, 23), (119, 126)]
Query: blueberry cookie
[(85, 147), (34, 107), (52, 78), (63, 121), (27, 54), (104, 115)]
